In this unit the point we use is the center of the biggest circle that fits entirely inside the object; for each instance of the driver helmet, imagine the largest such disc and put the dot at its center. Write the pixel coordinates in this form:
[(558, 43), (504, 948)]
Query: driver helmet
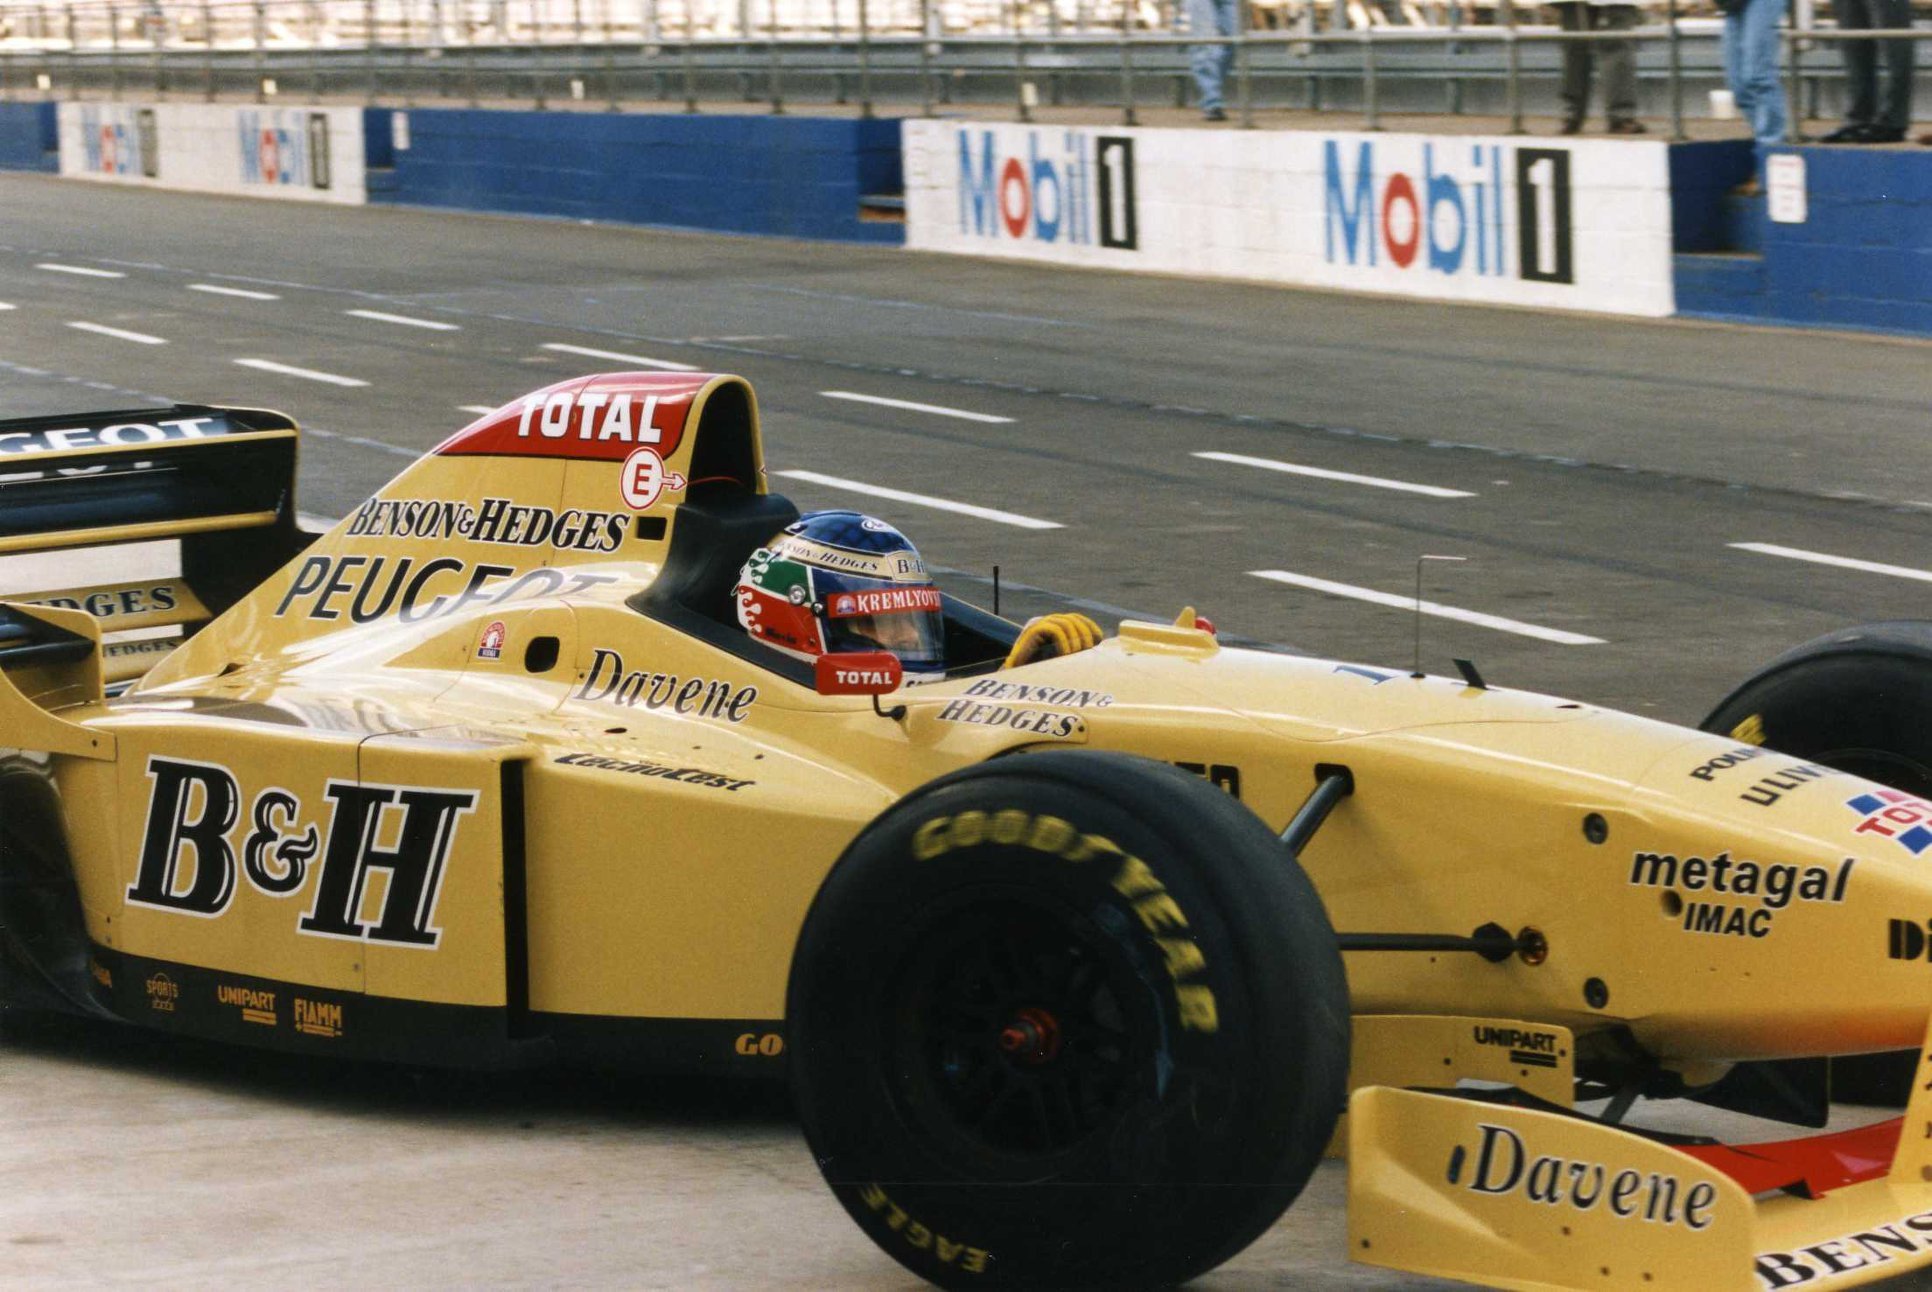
[(834, 582)]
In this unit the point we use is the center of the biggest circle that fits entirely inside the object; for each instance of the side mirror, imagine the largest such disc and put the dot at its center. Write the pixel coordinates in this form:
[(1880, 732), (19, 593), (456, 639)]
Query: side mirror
[(875, 672)]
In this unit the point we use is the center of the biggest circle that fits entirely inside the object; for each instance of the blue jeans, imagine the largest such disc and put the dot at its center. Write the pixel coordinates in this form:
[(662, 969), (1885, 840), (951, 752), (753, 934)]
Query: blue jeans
[(1751, 68), (1211, 62)]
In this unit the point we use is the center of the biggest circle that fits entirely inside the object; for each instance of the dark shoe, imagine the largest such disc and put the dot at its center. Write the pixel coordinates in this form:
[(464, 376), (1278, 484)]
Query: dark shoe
[(1574, 126), (1884, 135), (1628, 126), (1215, 114), (1749, 188), (1851, 133)]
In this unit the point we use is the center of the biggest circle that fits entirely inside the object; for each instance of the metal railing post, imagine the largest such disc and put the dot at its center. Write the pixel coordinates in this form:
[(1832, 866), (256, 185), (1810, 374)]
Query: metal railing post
[(539, 64), (610, 59), (402, 53), (865, 60), (777, 73), (1243, 73), (690, 56), (208, 51), (1371, 95), (114, 51), (1128, 116), (1792, 132), (925, 57), (1019, 74), (1676, 75), (469, 55), (369, 46), (73, 52), (1513, 65)]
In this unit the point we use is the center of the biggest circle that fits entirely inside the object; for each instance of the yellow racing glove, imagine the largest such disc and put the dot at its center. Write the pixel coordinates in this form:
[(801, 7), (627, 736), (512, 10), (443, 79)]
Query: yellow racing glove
[(1047, 636)]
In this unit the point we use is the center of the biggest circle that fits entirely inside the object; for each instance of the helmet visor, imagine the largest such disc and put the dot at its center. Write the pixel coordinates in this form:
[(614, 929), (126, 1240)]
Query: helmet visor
[(876, 614)]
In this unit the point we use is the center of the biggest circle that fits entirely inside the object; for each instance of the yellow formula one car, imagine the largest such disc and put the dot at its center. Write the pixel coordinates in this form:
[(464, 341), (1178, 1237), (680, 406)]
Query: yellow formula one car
[(493, 773)]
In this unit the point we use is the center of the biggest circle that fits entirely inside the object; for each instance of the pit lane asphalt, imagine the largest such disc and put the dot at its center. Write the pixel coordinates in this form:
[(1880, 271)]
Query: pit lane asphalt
[(1612, 464)]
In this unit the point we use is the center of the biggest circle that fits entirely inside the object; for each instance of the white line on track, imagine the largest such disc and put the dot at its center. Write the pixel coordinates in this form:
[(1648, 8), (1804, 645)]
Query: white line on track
[(638, 359), (85, 272), (1399, 602), (1842, 562), (924, 500), (481, 410), (310, 374), (908, 405), (1345, 477), (312, 522), (6, 306), (404, 319), (121, 334), (214, 289)]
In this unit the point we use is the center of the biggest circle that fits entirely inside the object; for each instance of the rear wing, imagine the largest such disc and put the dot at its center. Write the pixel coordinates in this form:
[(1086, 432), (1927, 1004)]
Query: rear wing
[(220, 480)]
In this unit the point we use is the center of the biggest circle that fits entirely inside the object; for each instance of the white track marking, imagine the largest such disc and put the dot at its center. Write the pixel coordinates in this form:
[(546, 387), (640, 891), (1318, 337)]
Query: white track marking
[(1842, 562), (638, 359), (481, 410), (909, 406), (924, 500), (85, 272), (1345, 477), (312, 522), (404, 319), (310, 374), (119, 333), (242, 292), (6, 306), (1401, 602)]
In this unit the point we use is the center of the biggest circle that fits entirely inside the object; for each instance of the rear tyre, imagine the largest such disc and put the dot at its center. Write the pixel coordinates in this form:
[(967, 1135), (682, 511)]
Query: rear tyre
[(1859, 700), (1067, 1020)]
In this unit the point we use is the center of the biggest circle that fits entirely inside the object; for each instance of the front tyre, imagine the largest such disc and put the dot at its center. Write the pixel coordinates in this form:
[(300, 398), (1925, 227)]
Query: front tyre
[(1067, 1020)]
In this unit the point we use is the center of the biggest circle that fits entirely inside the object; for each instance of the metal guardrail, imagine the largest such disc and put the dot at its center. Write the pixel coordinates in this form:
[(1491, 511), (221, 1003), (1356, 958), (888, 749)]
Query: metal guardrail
[(127, 48)]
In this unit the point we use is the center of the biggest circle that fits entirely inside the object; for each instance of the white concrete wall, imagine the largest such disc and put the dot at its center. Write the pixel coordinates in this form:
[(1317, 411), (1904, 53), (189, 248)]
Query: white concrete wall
[(302, 153), (1447, 217)]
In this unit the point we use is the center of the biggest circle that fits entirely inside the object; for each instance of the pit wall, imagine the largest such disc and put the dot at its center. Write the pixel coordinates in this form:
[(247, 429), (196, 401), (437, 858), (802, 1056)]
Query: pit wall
[(1841, 237), (799, 177), (29, 137), (291, 153), (1580, 225)]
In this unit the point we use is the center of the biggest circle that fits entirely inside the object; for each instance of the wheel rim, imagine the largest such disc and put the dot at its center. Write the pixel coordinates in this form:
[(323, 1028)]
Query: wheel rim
[(1019, 1034)]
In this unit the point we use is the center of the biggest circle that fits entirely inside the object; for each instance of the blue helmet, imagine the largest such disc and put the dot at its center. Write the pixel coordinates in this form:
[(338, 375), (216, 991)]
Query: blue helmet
[(834, 582)]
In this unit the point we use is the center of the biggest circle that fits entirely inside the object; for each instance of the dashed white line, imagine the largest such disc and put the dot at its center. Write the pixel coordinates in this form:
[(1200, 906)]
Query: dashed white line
[(378, 316), (638, 359), (924, 500), (1400, 602), (1344, 477), (907, 404), (308, 374), (84, 271), (1841, 562), (6, 306), (481, 410), (121, 334), (314, 523), (215, 289)]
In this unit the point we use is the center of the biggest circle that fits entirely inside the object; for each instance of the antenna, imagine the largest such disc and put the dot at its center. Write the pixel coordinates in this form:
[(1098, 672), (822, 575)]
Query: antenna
[(1418, 605), (996, 591)]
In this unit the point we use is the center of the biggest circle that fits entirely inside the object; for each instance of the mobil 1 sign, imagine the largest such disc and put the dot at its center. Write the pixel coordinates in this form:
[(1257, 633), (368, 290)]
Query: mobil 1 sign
[(1451, 218), (1576, 225), (1584, 225), (1040, 192)]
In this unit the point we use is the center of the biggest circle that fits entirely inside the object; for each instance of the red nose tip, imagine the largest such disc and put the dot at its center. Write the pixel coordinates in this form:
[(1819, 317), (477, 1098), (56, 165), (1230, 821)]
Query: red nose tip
[(1205, 624)]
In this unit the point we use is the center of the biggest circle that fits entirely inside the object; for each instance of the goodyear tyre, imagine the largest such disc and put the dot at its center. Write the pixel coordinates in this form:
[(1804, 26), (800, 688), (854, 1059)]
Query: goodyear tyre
[(1067, 1020), (1859, 700)]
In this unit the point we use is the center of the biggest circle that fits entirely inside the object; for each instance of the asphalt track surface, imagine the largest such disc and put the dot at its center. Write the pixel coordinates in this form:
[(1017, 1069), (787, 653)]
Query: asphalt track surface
[(1598, 477)]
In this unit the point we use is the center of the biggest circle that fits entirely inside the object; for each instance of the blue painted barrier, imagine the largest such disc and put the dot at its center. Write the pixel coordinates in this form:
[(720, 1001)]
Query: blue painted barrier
[(794, 177), (1861, 258), (29, 136)]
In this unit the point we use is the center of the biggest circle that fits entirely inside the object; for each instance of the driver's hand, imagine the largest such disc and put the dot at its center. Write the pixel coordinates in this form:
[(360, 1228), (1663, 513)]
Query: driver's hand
[(1046, 636)]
